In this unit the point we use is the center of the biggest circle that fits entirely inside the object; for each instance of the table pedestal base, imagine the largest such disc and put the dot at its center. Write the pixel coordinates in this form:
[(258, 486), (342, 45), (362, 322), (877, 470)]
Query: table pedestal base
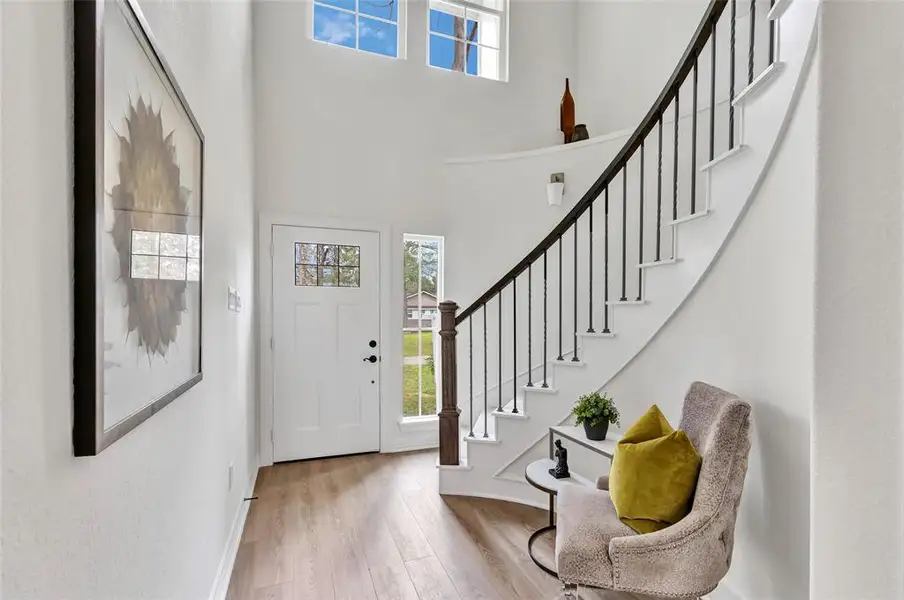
[(530, 548)]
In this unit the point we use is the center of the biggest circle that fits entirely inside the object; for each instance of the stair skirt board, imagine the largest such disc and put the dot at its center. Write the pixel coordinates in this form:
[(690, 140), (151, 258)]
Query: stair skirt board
[(734, 183)]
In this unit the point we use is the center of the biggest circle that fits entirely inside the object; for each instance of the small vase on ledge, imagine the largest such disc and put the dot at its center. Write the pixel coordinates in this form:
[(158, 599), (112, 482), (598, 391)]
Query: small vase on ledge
[(596, 433)]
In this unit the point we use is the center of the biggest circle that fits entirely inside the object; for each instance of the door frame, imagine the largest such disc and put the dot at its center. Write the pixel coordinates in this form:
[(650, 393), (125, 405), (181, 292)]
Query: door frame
[(266, 222)]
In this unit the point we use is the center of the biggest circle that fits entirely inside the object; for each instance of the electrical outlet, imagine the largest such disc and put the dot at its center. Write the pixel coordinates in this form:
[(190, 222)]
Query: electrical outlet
[(231, 472)]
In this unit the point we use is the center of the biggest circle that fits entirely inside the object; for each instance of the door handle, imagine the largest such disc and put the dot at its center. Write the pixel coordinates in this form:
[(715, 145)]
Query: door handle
[(372, 358)]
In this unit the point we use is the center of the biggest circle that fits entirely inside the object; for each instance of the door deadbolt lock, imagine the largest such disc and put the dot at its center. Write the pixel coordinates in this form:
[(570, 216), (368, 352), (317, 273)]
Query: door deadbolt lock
[(373, 343)]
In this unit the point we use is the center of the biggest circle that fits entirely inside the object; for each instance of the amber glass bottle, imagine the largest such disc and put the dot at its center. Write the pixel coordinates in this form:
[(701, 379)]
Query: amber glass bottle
[(566, 114)]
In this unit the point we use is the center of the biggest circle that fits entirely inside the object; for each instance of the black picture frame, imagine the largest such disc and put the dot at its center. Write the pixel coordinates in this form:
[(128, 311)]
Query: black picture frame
[(89, 435)]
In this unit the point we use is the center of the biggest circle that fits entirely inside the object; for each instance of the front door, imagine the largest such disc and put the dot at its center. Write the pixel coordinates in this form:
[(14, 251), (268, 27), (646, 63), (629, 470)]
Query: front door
[(326, 342)]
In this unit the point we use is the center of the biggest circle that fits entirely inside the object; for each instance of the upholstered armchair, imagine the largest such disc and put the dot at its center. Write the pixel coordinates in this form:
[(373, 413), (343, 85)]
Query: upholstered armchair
[(683, 561)]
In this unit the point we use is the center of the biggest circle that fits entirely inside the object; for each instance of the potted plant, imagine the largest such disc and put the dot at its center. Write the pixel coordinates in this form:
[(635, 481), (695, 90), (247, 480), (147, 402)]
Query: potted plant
[(595, 411)]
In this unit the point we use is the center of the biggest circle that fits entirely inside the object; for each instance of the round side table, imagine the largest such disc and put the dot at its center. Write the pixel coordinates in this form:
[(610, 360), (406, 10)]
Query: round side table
[(537, 474)]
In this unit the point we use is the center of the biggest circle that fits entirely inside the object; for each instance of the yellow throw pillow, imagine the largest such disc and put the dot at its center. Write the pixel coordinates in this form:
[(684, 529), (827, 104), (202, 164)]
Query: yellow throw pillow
[(654, 474)]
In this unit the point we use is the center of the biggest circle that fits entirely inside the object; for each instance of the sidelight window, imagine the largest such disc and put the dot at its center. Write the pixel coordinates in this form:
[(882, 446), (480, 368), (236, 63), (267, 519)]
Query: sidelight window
[(423, 268)]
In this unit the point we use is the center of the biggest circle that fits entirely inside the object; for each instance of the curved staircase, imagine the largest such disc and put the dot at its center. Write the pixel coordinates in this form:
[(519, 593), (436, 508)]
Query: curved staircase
[(593, 293)]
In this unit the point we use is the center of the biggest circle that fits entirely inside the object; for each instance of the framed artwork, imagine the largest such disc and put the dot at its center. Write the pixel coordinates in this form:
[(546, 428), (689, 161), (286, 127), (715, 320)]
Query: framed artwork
[(138, 223)]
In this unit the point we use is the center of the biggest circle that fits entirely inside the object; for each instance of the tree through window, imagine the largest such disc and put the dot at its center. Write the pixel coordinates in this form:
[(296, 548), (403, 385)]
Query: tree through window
[(423, 290), (467, 36)]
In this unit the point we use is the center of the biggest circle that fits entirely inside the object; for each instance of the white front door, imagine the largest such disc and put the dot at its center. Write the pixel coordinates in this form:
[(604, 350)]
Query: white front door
[(326, 342)]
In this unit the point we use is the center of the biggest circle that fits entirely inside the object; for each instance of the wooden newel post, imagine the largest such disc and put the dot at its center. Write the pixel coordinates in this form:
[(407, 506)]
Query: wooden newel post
[(449, 435)]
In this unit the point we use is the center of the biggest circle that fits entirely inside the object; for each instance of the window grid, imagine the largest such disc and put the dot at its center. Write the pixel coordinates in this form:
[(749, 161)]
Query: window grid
[(489, 60), (358, 16), (327, 265)]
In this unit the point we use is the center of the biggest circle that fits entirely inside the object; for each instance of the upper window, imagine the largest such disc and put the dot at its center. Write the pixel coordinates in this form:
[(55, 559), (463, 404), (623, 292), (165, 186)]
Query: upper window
[(369, 25), (468, 36)]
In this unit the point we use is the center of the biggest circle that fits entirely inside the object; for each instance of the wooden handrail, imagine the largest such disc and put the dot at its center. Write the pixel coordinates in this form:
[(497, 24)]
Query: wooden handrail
[(669, 93)]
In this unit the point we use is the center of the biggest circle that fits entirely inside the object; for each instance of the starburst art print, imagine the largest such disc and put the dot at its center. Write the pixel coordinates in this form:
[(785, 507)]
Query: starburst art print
[(149, 197), (138, 222)]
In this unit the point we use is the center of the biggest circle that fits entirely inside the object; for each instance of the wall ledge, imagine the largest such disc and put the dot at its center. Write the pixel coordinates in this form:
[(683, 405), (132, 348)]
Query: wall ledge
[(601, 139)]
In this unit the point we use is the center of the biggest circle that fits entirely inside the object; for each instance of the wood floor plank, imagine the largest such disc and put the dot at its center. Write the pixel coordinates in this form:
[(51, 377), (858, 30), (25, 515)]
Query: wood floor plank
[(392, 582), (431, 580), (373, 527), (282, 591)]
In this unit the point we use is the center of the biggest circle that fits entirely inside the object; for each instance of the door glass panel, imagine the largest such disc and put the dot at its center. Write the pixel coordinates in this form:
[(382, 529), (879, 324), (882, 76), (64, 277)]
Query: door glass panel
[(327, 265)]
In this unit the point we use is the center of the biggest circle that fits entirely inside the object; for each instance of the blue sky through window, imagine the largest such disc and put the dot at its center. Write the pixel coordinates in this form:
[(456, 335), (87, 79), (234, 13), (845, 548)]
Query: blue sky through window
[(442, 49), (339, 27)]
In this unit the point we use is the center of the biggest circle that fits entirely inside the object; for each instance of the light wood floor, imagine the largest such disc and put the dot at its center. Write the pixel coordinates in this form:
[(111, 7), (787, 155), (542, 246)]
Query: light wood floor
[(373, 527)]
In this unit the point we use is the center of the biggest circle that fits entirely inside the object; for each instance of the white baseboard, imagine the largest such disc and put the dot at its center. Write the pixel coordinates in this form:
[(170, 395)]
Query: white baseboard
[(410, 447), (224, 571)]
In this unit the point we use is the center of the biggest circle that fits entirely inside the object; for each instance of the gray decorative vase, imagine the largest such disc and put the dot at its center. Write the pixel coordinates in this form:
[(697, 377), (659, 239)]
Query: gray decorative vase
[(596, 433), (580, 133)]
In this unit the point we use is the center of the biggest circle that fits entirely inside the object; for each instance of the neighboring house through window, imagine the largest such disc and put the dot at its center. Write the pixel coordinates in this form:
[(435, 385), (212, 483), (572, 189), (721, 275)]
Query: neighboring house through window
[(369, 25), (469, 37), (423, 256)]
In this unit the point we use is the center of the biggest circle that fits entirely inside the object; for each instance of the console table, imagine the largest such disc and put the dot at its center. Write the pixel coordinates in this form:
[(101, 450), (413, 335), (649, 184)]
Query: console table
[(537, 474)]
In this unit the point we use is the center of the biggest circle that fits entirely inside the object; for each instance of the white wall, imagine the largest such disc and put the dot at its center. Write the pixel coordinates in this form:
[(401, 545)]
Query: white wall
[(749, 330), (149, 516), (857, 479), (354, 136), (626, 51)]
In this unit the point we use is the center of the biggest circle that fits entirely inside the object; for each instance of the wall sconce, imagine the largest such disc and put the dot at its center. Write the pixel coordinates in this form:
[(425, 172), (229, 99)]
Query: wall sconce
[(555, 189)]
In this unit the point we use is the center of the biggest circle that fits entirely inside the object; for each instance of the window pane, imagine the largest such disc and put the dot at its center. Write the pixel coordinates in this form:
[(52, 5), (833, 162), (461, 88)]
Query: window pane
[(472, 59), (172, 244), (306, 254), (328, 254), (145, 242), (378, 37), (442, 52), (453, 23), (441, 22), (144, 267), (194, 246), (349, 256), (193, 273), (488, 33), (305, 275), (329, 276), (489, 63), (334, 27), (472, 30), (172, 268), (346, 4), (348, 277), (385, 9), (429, 268)]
